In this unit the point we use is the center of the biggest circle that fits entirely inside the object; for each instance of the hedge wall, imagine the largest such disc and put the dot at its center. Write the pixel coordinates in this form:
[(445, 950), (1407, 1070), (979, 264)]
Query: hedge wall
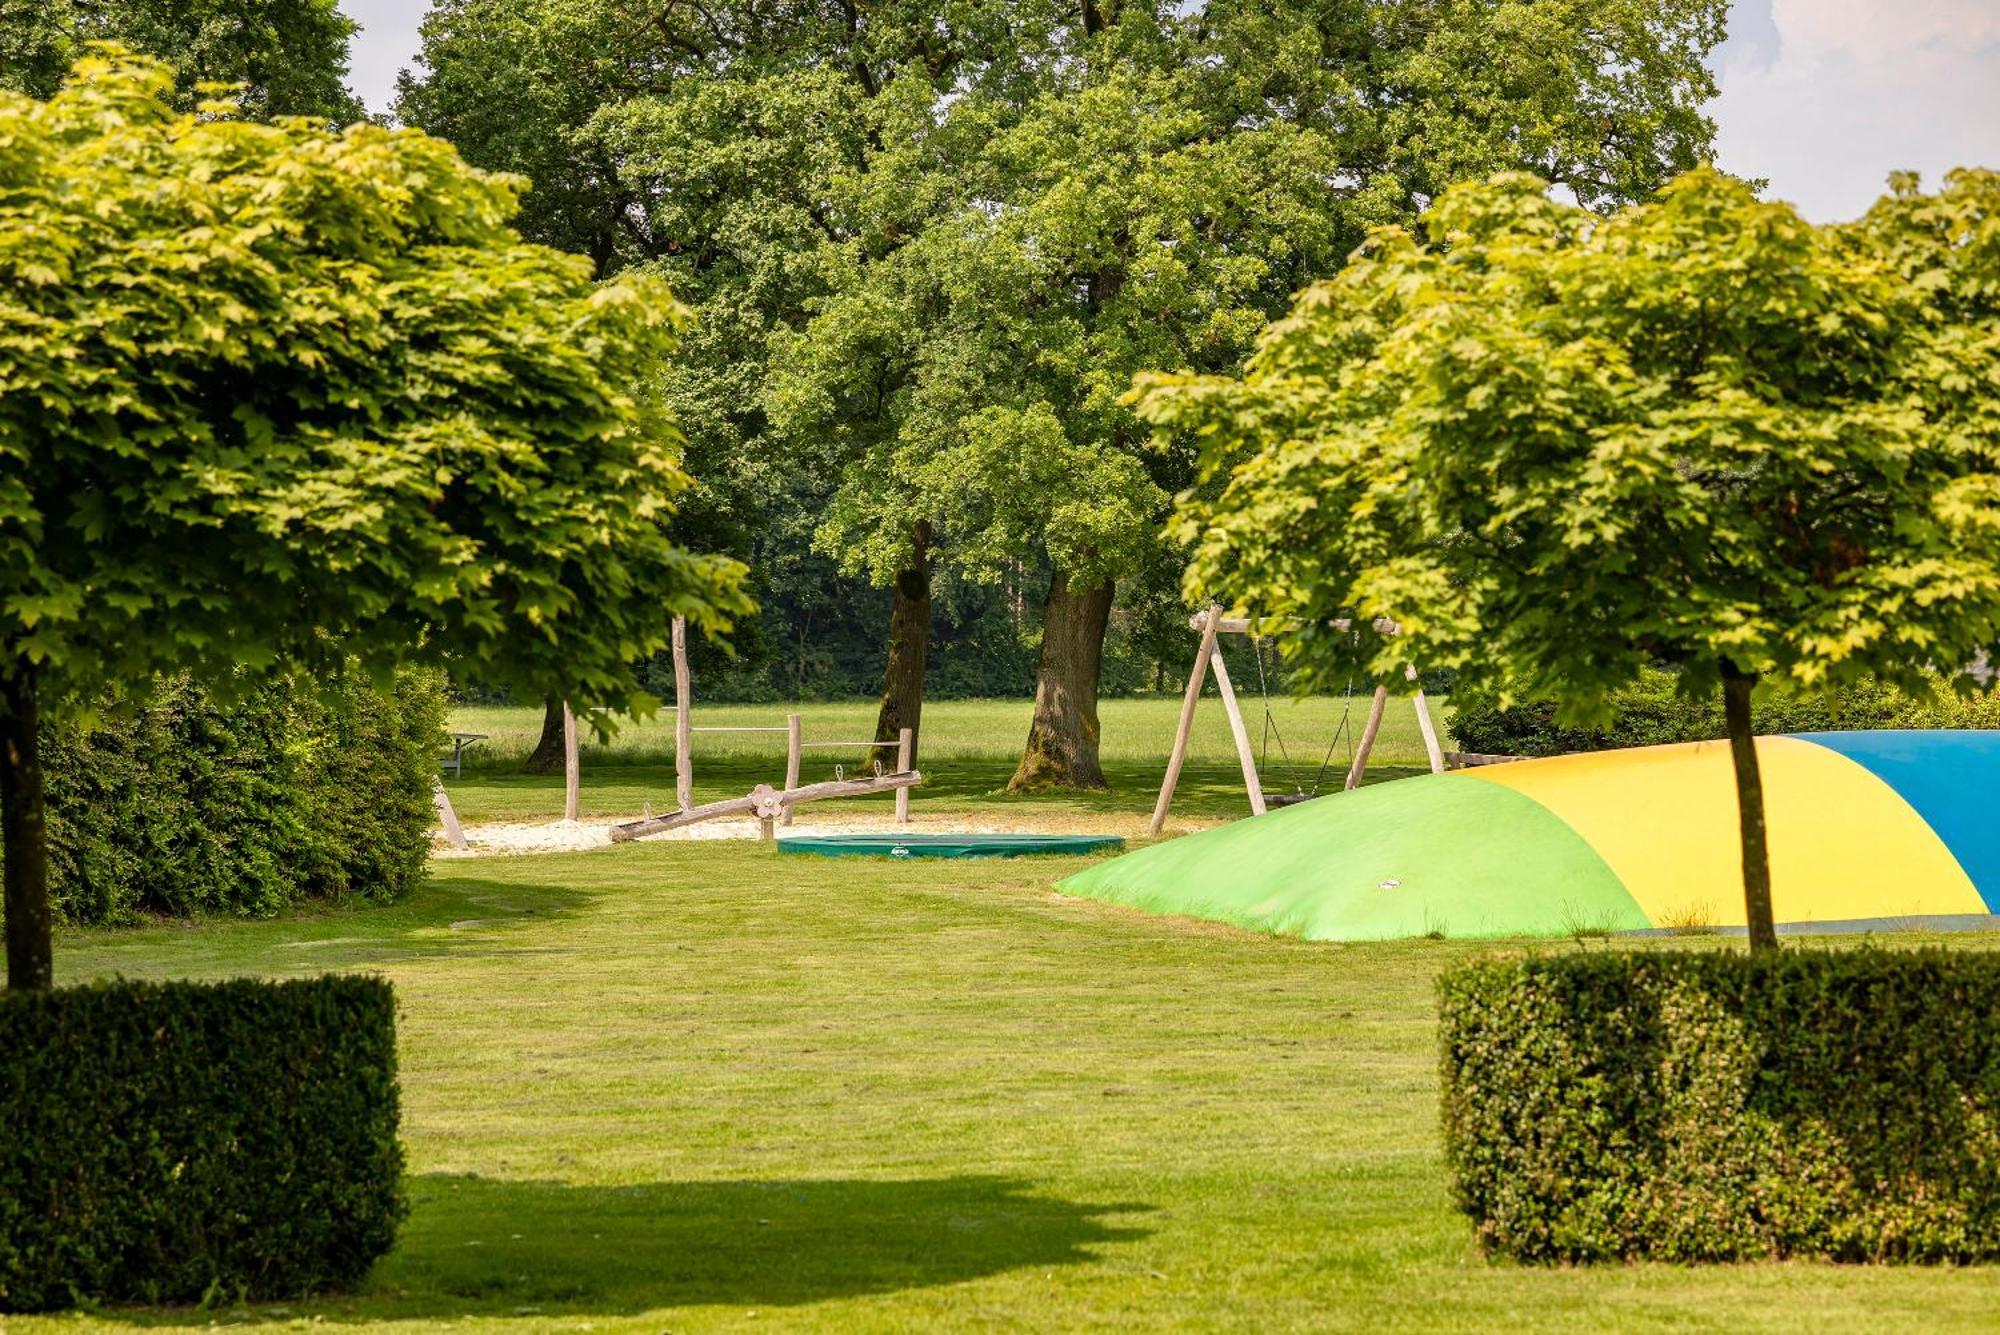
[(181, 804), (1651, 713), (170, 1142), (1713, 1107)]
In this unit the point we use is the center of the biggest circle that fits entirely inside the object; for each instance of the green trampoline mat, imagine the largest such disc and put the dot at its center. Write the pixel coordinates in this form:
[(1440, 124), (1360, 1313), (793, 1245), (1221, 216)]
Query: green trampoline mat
[(946, 845)]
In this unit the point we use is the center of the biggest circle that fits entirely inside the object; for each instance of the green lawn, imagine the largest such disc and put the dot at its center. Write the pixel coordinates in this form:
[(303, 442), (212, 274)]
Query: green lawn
[(711, 1087), (1134, 730), (969, 750)]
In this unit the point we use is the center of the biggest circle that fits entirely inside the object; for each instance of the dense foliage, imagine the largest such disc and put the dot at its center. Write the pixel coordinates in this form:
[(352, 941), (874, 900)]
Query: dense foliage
[(1556, 449), (284, 393), (928, 246), (1653, 711), (290, 56), (178, 803), (175, 1142), (1717, 1107)]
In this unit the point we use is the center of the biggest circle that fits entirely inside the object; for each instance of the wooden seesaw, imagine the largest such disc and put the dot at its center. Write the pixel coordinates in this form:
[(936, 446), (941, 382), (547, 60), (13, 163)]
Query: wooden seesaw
[(769, 805)]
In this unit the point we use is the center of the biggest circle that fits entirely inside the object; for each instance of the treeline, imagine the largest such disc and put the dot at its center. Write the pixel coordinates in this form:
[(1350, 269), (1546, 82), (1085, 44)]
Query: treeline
[(927, 248)]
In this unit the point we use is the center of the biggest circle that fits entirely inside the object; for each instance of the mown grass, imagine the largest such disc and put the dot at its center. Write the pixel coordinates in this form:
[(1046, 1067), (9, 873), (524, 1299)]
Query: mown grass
[(713, 1087), (1137, 730), (969, 751)]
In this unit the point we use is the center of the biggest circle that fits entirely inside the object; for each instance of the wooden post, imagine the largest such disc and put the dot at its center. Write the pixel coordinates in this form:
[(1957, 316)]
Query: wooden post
[(1425, 725), (793, 738), (1367, 744), (454, 834), (906, 741), (572, 770), (683, 729), (1244, 755), (1189, 700)]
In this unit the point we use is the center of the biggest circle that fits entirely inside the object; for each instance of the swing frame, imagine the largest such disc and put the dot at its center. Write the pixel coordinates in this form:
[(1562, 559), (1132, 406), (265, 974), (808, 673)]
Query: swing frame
[(1212, 625)]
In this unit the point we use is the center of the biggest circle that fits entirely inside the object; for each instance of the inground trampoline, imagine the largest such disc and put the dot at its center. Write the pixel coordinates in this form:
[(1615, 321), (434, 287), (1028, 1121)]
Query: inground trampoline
[(947, 845)]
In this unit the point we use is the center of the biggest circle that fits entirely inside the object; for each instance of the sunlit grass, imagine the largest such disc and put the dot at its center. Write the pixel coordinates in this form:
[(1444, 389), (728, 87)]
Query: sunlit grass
[(1134, 730), (713, 1087)]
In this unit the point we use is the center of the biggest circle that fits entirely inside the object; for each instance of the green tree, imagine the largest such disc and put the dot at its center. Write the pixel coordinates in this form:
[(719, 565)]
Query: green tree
[(1558, 448), (290, 56), (1151, 186), (275, 393), (929, 246)]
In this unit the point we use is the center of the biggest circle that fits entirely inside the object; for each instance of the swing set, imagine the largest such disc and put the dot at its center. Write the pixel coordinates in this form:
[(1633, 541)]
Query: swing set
[(1212, 624)]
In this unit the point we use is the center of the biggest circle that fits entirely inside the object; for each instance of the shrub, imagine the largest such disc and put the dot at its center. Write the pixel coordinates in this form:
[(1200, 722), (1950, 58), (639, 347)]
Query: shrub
[(183, 804), (1652, 712), (174, 1142), (1713, 1107)]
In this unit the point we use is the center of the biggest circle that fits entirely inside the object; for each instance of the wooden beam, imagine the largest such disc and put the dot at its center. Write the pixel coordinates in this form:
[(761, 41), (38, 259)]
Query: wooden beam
[(1469, 759), (1367, 743), (683, 733), (1425, 725), (454, 834), (792, 740), (1244, 755), (1263, 625), (764, 801), (572, 769), (1189, 700), (906, 742)]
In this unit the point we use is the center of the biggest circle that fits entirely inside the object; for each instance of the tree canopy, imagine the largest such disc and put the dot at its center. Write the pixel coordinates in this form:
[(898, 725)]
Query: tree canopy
[(290, 56), (929, 247), (1556, 448), (270, 392)]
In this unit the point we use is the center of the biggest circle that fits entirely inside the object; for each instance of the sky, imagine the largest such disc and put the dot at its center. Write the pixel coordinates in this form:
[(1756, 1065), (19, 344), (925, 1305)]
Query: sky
[(1821, 98)]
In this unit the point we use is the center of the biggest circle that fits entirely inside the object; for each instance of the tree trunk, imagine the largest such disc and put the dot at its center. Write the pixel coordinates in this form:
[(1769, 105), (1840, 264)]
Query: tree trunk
[(547, 757), (1736, 688), (24, 834), (1062, 741), (909, 647)]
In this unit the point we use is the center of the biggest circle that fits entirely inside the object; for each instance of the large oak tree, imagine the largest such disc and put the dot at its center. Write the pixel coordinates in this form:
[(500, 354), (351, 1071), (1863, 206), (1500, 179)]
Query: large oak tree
[(929, 246)]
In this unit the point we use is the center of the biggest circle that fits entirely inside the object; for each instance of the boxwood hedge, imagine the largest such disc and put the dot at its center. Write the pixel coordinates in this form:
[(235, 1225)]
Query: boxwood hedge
[(1707, 1106), (174, 1142)]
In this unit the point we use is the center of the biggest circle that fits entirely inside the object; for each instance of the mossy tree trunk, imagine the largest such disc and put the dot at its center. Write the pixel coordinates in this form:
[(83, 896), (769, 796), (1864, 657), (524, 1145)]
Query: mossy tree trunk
[(1736, 688), (1062, 749), (909, 649), (547, 757), (24, 835)]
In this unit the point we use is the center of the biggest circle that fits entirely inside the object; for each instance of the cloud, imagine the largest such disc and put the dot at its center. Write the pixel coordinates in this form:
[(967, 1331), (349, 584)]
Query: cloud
[(1824, 98), (387, 42)]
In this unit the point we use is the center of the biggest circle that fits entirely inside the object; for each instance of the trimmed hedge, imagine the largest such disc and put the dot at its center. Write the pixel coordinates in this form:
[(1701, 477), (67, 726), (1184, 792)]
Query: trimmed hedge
[(182, 804), (1652, 713), (1713, 1107), (175, 1142)]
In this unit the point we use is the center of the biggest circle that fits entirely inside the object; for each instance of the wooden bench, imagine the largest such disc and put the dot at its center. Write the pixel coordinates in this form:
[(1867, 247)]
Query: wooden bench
[(455, 762)]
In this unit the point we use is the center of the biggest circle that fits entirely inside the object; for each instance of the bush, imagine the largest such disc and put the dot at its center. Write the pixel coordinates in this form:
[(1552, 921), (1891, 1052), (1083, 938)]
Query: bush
[(182, 804), (174, 1142), (1652, 713), (1717, 1107)]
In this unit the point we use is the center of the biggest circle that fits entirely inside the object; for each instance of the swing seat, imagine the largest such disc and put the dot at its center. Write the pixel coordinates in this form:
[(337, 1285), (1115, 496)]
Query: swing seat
[(1287, 799)]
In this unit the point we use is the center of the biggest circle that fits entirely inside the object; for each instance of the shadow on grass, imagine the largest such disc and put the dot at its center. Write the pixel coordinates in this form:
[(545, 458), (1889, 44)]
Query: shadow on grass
[(476, 1246)]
